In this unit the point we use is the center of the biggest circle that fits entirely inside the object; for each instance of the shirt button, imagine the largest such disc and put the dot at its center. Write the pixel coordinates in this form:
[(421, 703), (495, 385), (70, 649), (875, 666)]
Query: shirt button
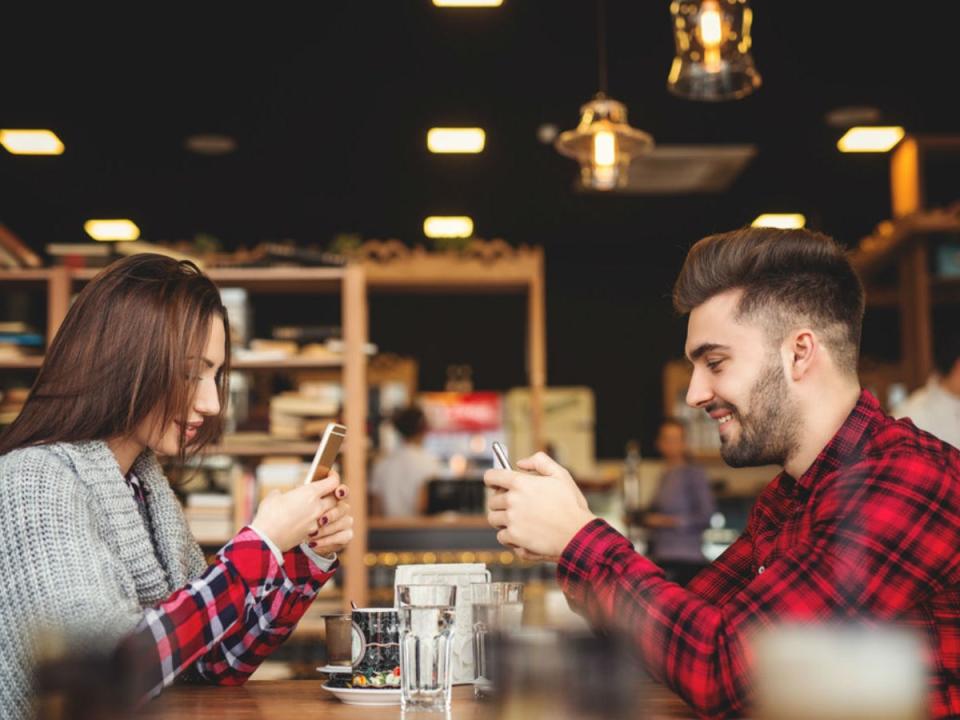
[(760, 570)]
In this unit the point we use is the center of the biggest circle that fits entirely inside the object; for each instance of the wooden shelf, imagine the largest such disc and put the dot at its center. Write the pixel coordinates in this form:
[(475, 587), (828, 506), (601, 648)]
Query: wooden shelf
[(269, 279), (26, 276), (295, 363), (261, 449), (292, 363), (25, 363), (942, 291), (429, 522)]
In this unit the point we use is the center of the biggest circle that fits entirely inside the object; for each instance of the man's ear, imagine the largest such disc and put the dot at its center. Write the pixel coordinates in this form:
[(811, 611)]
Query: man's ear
[(800, 350)]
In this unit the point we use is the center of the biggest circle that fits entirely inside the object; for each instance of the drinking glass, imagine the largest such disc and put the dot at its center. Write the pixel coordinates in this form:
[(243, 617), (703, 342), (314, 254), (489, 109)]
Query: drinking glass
[(426, 625)]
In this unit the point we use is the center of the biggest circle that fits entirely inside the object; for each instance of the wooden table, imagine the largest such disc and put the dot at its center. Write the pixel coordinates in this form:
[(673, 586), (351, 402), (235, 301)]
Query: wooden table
[(304, 699)]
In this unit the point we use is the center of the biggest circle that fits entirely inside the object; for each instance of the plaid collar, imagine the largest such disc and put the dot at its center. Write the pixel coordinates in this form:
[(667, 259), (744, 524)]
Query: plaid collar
[(846, 446)]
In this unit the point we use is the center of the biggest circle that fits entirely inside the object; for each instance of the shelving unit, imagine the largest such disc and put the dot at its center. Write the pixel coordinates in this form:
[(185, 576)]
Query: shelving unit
[(348, 282), (903, 243), (484, 267)]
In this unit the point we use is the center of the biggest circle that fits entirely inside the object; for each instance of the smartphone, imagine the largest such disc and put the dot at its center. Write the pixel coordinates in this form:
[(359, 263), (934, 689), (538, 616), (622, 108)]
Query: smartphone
[(501, 459), (326, 453)]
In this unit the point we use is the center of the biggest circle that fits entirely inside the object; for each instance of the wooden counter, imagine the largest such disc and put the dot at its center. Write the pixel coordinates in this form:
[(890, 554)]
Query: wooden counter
[(303, 699)]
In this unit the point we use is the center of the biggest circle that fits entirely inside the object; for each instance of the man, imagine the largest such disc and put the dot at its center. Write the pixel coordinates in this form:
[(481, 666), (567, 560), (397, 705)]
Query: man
[(863, 522), (681, 509), (936, 406), (398, 481)]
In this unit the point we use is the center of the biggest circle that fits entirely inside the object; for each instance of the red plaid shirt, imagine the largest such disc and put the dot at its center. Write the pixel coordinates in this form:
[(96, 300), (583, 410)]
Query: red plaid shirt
[(870, 532), (226, 622)]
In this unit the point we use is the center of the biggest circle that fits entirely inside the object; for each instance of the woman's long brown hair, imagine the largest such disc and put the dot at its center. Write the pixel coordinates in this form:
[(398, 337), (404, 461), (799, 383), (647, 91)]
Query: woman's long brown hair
[(129, 347)]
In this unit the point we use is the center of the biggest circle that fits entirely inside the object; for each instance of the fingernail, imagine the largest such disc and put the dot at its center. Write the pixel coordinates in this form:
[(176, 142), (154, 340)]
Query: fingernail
[(341, 492), (313, 534), (324, 520), (313, 544)]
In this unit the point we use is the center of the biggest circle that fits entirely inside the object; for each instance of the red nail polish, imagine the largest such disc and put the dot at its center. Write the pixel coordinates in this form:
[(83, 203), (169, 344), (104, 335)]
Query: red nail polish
[(313, 544), (340, 492), (324, 520)]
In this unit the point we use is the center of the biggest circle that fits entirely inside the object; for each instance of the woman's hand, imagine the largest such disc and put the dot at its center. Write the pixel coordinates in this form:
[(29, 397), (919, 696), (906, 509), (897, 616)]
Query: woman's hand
[(289, 518), (336, 528)]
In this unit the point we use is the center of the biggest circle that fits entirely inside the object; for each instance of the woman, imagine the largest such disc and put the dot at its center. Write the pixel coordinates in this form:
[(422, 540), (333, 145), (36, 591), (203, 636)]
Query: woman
[(95, 545)]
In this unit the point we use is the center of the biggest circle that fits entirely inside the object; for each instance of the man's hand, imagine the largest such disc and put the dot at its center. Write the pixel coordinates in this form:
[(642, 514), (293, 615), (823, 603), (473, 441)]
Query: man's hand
[(539, 511)]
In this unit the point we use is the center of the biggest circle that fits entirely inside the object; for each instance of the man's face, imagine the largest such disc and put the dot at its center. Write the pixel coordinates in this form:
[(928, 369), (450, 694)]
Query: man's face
[(739, 380)]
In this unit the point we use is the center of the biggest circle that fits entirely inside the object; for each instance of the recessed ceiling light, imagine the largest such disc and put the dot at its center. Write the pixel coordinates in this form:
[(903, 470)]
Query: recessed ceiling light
[(112, 230), (468, 3), (448, 226), (784, 221), (870, 139), (31, 142), (456, 140), (210, 144)]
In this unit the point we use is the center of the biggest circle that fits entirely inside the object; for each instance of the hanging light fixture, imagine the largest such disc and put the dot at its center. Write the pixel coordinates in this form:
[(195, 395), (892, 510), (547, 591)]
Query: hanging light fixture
[(713, 60), (603, 143)]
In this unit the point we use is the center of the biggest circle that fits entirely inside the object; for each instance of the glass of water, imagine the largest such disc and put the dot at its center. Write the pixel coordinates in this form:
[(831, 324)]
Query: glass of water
[(497, 608), (426, 627)]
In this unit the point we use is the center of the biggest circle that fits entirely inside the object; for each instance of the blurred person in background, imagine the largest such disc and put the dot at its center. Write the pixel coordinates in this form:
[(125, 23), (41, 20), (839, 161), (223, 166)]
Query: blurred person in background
[(398, 482), (936, 406), (681, 509)]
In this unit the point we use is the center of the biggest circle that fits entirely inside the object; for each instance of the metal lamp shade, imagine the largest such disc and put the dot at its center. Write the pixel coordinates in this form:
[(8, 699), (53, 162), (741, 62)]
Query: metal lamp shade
[(603, 143), (713, 60)]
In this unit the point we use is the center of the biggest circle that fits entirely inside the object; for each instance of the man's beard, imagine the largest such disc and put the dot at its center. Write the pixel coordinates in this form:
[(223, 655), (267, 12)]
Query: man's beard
[(770, 433)]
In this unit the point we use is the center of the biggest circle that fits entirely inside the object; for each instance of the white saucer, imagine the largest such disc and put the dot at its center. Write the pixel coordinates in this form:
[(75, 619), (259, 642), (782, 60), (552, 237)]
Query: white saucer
[(365, 696), (335, 669)]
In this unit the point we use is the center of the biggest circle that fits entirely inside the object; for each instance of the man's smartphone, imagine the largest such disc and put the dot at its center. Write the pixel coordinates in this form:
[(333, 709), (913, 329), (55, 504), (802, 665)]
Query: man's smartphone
[(326, 453), (500, 457)]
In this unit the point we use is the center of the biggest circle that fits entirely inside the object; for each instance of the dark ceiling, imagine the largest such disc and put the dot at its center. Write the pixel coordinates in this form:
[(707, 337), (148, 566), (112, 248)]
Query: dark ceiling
[(330, 111)]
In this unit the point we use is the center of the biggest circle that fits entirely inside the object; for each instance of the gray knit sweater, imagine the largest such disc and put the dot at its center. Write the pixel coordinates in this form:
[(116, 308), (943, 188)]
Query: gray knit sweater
[(77, 558)]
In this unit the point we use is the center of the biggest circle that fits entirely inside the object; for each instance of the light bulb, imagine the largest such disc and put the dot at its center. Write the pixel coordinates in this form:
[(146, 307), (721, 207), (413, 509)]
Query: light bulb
[(604, 149), (711, 35)]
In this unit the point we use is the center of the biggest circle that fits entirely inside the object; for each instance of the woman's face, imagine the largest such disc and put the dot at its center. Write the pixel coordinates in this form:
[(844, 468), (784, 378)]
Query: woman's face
[(205, 403)]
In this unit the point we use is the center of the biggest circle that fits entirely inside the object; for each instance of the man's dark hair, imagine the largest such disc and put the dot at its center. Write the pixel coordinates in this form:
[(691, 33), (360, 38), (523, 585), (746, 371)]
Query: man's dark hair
[(410, 422), (788, 277), (946, 351)]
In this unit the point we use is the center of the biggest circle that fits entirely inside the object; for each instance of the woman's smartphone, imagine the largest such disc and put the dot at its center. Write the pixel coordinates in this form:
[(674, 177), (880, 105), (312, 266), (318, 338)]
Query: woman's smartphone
[(326, 453), (500, 457)]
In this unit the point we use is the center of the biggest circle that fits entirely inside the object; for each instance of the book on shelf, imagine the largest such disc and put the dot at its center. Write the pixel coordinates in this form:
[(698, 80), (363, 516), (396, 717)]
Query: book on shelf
[(8, 261), (81, 255), (307, 333), (13, 247), (261, 350), (295, 427), (135, 247), (302, 405), (11, 403), (22, 339), (208, 500), (288, 252)]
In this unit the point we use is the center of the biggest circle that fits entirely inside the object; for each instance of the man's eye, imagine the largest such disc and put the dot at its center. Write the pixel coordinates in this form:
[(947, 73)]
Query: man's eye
[(714, 364)]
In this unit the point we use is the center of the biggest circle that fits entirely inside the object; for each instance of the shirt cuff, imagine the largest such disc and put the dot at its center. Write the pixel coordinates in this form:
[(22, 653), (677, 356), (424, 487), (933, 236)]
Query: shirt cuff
[(270, 544), (323, 563), (595, 546)]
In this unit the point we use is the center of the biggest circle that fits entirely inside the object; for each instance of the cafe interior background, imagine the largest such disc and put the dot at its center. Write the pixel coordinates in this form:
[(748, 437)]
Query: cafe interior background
[(290, 155)]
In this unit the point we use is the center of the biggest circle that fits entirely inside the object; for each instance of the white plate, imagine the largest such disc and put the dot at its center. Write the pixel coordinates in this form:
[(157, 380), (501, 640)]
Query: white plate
[(361, 696), (335, 669)]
